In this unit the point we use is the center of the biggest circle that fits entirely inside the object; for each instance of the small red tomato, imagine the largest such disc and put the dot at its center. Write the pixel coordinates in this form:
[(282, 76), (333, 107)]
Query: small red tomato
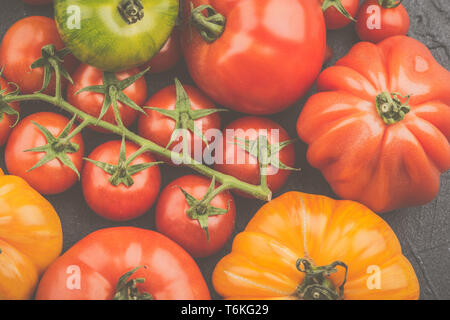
[(21, 47), (38, 142), (174, 220), (120, 199), (93, 102), (235, 160), (181, 102), (168, 56), (38, 2), (7, 117), (381, 19), (339, 13)]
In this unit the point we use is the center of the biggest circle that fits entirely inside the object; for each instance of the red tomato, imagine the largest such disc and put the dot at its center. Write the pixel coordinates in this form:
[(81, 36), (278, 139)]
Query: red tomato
[(159, 128), (7, 121), (234, 160), (168, 56), (38, 2), (376, 22), (335, 19), (92, 102), (21, 46), (268, 56), (328, 54), (52, 177), (119, 202), (173, 221), (91, 269)]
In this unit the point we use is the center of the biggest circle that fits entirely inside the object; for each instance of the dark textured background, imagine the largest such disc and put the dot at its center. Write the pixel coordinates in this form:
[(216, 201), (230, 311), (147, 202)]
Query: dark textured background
[(424, 232)]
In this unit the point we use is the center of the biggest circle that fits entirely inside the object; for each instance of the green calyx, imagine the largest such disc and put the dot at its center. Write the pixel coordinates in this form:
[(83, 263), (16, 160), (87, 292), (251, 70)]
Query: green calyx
[(5, 108), (316, 285), (210, 26), (390, 108), (112, 89), (57, 147), (337, 4), (389, 4), (123, 172), (131, 11), (126, 289), (52, 61), (184, 115), (201, 210)]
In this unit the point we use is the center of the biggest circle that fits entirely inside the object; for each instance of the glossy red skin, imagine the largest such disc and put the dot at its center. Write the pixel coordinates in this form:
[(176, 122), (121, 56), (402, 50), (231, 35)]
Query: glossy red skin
[(7, 120), (393, 22), (168, 56), (385, 167), (336, 20), (119, 203), (105, 255), (158, 128), (91, 102), (52, 177), (38, 2), (249, 171), (261, 64), (172, 220), (21, 46)]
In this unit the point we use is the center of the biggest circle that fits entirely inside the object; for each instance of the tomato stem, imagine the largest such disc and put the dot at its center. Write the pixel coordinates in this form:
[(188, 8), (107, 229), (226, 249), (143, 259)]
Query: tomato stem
[(131, 11), (390, 108), (210, 27), (337, 4), (389, 4)]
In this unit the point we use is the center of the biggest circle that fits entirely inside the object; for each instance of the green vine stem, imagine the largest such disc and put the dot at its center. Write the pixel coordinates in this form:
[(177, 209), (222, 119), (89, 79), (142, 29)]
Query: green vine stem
[(260, 192)]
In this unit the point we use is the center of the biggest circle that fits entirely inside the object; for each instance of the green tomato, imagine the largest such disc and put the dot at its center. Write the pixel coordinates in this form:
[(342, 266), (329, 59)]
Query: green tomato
[(115, 35)]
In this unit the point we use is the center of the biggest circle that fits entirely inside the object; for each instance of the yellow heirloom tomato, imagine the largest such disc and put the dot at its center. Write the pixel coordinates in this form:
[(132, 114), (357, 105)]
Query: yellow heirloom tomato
[(30, 237), (302, 246)]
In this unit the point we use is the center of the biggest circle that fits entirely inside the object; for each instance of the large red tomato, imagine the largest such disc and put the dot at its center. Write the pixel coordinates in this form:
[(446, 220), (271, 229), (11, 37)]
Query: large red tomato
[(92, 102), (7, 116), (174, 220), (168, 56), (372, 143), (254, 56), (234, 160), (120, 202), (53, 176), (21, 47), (92, 269)]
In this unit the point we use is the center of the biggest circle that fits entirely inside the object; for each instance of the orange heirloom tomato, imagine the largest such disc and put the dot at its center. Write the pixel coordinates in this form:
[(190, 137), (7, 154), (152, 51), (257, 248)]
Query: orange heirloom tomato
[(30, 237), (302, 246), (379, 130)]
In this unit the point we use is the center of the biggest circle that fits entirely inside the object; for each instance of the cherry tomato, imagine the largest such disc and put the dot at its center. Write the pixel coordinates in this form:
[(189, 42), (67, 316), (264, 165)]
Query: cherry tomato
[(168, 56), (92, 102), (21, 47), (334, 19), (234, 160), (119, 202), (159, 128), (173, 220), (51, 177), (38, 2), (381, 19), (7, 120)]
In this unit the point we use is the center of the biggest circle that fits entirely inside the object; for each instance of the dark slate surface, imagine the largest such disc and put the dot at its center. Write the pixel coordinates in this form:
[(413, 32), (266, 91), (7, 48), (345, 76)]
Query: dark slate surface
[(424, 232)]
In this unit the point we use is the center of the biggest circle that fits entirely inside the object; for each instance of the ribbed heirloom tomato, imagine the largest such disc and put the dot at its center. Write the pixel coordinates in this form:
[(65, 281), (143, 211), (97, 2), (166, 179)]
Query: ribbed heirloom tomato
[(379, 129), (108, 263), (310, 247), (254, 56), (30, 237)]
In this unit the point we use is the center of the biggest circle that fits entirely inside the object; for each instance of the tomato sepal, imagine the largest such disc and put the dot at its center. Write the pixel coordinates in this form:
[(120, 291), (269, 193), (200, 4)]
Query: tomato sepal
[(5, 108), (127, 289), (390, 4), (337, 4)]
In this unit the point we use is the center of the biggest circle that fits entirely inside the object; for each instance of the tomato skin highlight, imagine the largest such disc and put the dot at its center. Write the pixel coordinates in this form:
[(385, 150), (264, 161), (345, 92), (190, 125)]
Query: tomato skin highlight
[(7, 121), (261, 64), (121, 45), (17, 56), (393, 22), (119, 203), (173, 221), (248, 170), (336, 20), (105, 255), (384, 166), (53, 177), (91, 102)]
